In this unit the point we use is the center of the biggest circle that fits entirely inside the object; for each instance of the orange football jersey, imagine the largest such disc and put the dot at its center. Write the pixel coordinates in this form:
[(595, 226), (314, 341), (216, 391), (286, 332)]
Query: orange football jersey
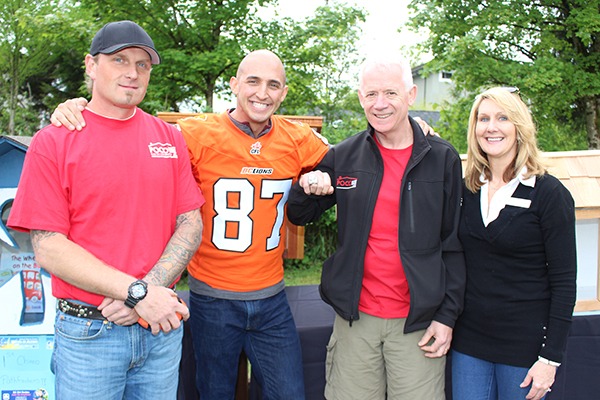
[(245, 182)]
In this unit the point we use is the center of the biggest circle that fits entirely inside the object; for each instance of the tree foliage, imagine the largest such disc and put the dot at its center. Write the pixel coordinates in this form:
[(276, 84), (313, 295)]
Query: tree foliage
[(550, 49), (31, 43), (322, 54)]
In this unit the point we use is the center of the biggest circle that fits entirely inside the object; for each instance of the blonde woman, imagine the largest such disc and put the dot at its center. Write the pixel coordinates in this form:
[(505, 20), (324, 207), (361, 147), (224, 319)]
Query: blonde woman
[(518, 232)]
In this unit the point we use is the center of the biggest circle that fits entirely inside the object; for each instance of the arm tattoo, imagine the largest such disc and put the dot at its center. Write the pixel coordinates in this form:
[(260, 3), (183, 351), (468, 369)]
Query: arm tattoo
[(179, 251), (38, 236)]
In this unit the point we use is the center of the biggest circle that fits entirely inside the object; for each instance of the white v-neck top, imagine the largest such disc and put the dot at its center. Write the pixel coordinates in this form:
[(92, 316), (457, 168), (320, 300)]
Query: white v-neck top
[(503, 197)]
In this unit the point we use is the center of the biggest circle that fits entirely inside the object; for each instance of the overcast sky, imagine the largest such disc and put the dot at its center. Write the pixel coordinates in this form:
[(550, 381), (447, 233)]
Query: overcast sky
[(380, 31)]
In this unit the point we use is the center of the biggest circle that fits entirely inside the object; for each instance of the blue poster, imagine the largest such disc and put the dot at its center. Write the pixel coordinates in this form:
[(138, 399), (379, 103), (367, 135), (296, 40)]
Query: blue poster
[(25, 367)]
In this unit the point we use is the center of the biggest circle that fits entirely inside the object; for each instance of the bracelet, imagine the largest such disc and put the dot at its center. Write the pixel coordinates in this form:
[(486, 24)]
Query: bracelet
[(548, 362)]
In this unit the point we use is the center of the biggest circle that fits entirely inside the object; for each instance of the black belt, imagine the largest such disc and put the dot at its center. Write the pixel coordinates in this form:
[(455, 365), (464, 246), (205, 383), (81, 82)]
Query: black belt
[(79, 310)]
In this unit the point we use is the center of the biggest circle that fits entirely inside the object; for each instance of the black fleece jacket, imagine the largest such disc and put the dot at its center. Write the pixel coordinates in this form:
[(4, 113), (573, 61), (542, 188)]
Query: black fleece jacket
[(430, 202)]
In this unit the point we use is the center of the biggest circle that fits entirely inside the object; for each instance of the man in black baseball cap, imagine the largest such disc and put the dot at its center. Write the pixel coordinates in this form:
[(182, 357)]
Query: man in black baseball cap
[(115, 36), (113, 214)]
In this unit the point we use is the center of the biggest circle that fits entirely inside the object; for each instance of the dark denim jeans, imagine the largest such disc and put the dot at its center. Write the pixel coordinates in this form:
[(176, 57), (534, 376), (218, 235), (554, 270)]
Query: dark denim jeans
[(263, 329)]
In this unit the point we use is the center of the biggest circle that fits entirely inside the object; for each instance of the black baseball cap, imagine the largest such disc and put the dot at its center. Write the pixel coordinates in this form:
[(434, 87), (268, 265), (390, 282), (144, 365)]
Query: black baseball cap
[(119, 35)]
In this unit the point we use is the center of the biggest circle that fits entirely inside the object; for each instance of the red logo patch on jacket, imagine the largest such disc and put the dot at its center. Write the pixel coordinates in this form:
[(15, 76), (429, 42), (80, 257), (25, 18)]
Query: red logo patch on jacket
[(346, 182)]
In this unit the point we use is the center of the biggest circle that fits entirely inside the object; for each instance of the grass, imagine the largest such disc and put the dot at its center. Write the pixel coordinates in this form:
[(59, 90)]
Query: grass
[(302, 276), (292, 276)]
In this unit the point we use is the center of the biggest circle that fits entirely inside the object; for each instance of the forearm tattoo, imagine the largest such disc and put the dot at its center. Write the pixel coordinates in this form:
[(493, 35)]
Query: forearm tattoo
[(179, 250), (38, 236)]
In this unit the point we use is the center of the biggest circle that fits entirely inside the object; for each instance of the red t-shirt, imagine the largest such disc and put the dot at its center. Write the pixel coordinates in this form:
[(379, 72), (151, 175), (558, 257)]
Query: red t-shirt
[(115, 188), (385, 292)]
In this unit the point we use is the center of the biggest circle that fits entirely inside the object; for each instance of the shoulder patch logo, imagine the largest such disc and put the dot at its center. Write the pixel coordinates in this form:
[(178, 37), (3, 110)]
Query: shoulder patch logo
[(346, 182), (162, 150), (255, 148)]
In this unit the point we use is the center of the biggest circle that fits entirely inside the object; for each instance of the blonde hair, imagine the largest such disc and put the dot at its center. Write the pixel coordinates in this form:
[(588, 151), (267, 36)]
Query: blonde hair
[(528, 155)]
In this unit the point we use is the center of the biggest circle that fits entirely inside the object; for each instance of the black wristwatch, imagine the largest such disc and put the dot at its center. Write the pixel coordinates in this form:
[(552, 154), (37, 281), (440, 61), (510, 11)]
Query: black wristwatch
[(136, 293)]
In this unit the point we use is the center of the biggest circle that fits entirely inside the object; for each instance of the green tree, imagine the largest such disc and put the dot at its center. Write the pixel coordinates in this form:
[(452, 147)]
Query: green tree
[(40, 60), (320, 57), (548, 48), (23, 53)]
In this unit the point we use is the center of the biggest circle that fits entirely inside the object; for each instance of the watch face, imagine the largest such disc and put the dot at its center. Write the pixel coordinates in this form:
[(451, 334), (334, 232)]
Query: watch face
[(138, 291)]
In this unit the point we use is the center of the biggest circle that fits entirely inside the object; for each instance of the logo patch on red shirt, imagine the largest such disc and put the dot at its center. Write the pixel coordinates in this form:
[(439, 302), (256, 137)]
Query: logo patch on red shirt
[(162, 150)]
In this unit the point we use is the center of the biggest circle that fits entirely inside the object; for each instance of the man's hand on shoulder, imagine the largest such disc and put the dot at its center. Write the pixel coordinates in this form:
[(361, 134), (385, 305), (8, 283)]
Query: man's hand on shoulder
[(427, 130), (68, 114)]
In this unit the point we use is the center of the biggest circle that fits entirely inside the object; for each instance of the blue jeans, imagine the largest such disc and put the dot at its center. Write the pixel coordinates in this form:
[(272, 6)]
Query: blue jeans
[(263, 329), (477, 379), (95, 359)]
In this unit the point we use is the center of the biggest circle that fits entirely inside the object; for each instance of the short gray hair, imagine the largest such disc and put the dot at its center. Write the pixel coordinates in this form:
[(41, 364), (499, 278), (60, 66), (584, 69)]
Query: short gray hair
[(388, 61)]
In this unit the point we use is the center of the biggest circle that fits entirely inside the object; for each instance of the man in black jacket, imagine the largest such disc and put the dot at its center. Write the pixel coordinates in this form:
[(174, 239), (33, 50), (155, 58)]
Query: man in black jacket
[(397, 278)]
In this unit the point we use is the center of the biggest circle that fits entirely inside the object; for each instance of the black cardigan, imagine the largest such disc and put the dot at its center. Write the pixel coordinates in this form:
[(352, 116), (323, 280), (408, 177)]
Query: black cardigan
[(521, 277)]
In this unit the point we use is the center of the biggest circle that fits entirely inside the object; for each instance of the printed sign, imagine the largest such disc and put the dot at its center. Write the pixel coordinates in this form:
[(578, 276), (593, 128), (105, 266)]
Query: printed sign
[(25, 367)]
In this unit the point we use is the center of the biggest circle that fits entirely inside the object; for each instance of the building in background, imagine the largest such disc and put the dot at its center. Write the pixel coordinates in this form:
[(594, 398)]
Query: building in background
[(434, 89)]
